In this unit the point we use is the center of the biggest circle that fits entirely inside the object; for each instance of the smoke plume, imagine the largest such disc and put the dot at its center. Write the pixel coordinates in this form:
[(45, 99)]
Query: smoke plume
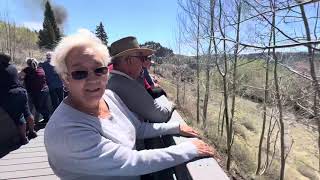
[(37, 8)]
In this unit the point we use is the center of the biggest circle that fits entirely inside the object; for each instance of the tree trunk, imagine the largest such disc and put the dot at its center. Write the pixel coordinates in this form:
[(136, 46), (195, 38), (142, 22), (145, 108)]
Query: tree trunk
[(178, 89), (266, 95), (207, 87), (198, 63), (278, 99), (234, 75), (315, 81)]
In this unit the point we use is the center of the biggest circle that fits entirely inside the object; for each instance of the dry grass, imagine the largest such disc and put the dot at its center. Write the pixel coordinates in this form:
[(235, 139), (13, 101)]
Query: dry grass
[(248, 123)]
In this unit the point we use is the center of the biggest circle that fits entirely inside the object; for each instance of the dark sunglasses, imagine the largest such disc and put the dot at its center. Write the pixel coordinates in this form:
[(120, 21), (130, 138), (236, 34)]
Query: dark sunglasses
[(79, 75)]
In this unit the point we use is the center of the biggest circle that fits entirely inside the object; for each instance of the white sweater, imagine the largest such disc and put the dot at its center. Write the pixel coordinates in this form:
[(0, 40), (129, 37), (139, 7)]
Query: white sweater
[(81, 146)]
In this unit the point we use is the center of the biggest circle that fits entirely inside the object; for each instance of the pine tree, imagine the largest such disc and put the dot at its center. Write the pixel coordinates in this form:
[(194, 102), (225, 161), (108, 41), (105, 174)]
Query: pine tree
[(50, 34), (101, 34)]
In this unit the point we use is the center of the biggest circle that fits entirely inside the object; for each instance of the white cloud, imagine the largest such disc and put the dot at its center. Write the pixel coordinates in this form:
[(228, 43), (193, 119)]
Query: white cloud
[(32, 25)]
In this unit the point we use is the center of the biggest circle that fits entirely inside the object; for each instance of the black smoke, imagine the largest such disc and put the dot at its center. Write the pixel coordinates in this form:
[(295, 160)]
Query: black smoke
[(37, 7)]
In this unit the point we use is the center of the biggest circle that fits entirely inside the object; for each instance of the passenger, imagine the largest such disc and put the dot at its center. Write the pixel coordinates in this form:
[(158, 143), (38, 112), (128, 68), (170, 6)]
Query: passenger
[(92, 134), (54, 82), (35, 82), (14, 99), (127, 60), (154, 89), (141, 80)]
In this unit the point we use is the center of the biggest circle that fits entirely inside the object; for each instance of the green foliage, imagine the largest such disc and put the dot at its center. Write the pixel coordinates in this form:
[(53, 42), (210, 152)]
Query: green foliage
[(23, 38), (50, 34), (160, 51), (101, 34)]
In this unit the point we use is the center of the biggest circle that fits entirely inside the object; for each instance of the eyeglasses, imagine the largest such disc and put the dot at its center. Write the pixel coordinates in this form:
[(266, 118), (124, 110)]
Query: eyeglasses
[(79, 75)]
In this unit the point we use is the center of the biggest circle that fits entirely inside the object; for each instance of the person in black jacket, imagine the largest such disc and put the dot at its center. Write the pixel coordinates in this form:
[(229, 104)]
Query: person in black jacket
[(14, 99)]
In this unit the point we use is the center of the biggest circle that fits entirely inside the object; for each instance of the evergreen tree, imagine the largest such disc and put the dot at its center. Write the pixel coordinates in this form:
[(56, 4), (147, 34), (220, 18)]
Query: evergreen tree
[(101, 34), (50, 34), (160, 51)]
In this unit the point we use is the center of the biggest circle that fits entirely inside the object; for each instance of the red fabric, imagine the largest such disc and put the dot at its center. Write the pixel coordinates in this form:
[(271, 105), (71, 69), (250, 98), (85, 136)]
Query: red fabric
[(35, 80), (146, 84)]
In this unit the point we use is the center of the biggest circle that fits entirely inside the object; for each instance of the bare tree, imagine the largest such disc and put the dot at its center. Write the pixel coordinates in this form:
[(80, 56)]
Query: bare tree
[(208, 65), (265, 101), (235, 64), (278, 95), (315, 81), (198, 62)]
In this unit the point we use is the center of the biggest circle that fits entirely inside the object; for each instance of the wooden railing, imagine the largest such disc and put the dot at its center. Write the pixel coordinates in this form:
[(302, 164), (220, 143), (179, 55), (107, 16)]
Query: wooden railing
[(198, 169)]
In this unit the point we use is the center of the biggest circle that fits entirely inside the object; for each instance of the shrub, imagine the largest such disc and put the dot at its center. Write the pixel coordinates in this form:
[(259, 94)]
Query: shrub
[(249, 126)]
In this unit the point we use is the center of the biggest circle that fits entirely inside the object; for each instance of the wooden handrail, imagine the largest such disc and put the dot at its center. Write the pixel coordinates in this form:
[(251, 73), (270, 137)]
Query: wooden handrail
[(198, 169)]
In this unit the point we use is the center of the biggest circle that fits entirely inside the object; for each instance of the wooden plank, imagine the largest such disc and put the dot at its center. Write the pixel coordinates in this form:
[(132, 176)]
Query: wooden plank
[(20, 167), (28, 162), (23, 161), (29, 150), (24, 155), (33, 145), (46, 177), (40, 132), (27, 173)]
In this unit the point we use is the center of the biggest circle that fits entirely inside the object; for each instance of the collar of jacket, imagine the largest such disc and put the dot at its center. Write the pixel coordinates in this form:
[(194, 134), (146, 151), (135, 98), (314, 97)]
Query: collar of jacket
[(121, 74)]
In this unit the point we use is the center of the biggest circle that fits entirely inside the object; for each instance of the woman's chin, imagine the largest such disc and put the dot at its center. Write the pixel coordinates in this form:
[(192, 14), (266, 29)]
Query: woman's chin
[(93, 94)]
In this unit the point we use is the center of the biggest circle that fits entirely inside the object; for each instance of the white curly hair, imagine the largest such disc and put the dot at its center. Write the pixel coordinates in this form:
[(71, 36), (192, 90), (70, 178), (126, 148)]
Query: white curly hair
[(82, 38)]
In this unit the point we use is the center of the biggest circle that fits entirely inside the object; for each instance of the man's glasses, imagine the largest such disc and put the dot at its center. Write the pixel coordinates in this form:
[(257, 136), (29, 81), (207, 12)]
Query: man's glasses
[(79, 75)]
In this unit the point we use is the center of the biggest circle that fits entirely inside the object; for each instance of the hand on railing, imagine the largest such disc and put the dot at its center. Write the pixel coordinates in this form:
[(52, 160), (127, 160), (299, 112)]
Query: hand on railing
[(205, 149), (188, 131)]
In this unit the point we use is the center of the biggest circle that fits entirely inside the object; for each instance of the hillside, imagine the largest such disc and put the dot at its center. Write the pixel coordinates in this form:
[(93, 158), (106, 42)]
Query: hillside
[(19, 42), (300, 127)]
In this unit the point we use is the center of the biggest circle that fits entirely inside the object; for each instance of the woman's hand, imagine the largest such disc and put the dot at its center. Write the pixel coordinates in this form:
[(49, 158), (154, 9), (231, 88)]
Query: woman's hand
[(205, 149), (187, 131)]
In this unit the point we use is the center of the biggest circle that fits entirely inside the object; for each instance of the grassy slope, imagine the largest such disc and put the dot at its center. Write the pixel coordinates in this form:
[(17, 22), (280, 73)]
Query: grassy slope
[(302, 161)]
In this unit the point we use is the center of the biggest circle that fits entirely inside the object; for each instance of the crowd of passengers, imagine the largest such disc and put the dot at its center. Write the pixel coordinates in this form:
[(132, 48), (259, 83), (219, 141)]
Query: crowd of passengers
[(92, 132), (36, 89)]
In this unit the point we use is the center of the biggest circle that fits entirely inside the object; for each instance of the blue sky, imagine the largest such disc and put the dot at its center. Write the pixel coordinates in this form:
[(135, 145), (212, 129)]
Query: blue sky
[(146, 19)]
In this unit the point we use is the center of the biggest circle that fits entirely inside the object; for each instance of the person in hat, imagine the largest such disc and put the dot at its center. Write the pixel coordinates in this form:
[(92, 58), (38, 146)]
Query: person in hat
[(127, 59), (14, 99), (153, 88), (36, 84), (92, 134)]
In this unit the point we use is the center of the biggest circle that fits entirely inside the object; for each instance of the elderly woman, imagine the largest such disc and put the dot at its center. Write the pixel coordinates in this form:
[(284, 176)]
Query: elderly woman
[(92, 134)]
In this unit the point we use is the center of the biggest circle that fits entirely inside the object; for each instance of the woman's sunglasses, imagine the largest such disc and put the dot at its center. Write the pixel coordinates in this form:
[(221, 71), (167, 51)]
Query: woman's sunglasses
[(79, 75)]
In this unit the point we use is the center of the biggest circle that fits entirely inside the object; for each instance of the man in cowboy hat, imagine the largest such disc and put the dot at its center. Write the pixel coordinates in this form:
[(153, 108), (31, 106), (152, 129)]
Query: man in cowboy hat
[(127, 60)]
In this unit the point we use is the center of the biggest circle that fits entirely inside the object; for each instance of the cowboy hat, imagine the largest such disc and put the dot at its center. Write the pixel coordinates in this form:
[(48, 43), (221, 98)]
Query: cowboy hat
[(126, 46)]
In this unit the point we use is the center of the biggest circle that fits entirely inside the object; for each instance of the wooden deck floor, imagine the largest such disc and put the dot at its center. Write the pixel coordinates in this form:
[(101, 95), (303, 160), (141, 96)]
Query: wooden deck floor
[(28, 162)]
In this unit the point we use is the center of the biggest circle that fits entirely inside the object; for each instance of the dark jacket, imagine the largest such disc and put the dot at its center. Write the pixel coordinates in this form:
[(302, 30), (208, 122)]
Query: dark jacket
[(8, 78), (53, 79)]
